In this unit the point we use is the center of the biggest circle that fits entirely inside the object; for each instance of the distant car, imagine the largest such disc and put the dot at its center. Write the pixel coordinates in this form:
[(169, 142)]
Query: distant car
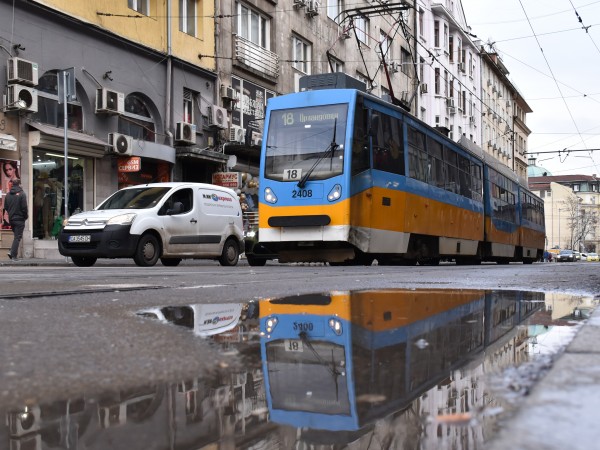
[(592, 257), (577, 255), (566, 256)]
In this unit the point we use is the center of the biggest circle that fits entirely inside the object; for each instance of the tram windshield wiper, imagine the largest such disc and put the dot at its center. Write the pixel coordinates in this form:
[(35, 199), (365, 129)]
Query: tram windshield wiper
[(329, 151)]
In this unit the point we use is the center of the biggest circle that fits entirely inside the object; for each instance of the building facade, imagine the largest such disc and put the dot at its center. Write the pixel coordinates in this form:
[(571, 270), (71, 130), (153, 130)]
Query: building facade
[(572, 210)]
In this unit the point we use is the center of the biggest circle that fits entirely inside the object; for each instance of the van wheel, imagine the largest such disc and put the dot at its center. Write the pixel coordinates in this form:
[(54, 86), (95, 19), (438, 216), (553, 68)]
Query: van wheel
[(231, 253), (147, 252), (83, 261), (170, 262)]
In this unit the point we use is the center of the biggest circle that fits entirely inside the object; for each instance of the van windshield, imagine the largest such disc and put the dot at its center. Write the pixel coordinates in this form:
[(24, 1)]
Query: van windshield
[(136, 198)]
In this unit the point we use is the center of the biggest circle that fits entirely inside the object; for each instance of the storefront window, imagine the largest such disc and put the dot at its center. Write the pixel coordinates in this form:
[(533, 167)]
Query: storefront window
[(48, 198)]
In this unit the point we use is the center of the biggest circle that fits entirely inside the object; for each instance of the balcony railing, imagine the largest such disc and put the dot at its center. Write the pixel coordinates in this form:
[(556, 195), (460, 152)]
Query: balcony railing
[(256, 57)]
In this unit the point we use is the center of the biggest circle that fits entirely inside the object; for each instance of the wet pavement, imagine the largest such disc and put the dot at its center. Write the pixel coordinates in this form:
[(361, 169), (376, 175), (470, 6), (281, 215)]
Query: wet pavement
[(394, 368)]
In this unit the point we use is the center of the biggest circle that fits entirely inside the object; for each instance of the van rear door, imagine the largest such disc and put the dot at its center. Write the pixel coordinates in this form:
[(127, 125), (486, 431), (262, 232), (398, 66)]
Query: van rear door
[(219, 210)]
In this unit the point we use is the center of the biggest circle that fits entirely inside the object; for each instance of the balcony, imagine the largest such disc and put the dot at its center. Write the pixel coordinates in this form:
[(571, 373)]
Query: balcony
[(256, 58)]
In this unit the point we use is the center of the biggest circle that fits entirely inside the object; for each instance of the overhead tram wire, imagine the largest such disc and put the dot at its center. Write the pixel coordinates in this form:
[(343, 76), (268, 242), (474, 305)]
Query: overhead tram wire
[(552, 73)]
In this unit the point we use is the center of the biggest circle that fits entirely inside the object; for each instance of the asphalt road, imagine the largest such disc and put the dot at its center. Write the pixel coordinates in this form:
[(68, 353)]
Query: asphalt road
[(66, 329)]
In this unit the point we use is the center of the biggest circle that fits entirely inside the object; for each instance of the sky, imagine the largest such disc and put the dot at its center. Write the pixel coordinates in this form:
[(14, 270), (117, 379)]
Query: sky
[(552, 50)]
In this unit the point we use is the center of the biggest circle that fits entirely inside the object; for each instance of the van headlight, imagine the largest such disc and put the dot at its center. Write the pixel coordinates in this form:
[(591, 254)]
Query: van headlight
[(123, 219)]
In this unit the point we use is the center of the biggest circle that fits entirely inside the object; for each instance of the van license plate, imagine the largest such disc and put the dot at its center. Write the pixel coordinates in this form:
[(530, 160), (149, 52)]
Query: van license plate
[(80, 238)]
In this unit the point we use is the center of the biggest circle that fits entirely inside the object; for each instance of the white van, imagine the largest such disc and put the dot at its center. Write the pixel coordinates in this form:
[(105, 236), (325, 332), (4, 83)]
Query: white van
[(166, 221)]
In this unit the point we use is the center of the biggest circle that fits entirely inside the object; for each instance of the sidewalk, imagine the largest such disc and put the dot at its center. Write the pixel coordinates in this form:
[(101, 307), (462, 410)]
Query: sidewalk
[(561, 411)]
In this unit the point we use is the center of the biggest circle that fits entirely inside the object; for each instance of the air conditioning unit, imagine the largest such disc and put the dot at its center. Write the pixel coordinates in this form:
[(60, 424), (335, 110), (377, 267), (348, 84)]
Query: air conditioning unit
[(450, 102), (461, 67), (24, 422), (451, 110), (185, 132), (237, 134), (394, 67), (404, 96), (257, 139), (217, 117), (471, 119), (109, 102), (300, 3), (312, 7), (27, 95), (120, 144), (423, 88), (346, 34), (21, 71), (508, 103), (227, 92)]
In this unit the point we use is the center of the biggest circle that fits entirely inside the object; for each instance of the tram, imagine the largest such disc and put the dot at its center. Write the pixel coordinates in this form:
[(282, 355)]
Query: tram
[(347, 178)]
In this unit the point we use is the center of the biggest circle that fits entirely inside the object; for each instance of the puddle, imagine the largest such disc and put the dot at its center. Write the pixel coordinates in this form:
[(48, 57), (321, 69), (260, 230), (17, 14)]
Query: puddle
[(399, 368)]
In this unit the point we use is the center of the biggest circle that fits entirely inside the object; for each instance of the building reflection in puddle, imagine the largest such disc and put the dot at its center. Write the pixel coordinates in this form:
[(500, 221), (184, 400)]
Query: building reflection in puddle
[(397, 367)]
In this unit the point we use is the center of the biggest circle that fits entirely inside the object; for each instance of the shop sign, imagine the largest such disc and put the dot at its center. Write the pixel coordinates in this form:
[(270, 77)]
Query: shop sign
[(8, 142), (133, 164), (227, 179)]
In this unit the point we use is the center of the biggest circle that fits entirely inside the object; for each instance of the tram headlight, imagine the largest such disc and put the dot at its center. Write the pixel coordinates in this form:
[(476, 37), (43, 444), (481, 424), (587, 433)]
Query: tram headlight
[(270, 196), (270, 324), (335, 193), (335, 325)]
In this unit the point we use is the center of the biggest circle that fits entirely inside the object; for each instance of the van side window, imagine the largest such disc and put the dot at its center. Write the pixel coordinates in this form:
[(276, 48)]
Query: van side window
[(183, 196)]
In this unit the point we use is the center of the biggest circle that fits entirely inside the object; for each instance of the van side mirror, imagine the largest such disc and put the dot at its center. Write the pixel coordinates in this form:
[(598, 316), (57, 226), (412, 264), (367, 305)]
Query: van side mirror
[(176, 209)]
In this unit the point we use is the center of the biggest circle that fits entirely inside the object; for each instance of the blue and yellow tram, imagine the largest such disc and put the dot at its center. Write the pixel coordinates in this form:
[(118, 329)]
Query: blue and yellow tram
[(347, 178)]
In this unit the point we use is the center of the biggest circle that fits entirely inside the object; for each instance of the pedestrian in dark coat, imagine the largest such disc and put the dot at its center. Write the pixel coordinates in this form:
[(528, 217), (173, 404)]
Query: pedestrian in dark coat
[(15, 204)]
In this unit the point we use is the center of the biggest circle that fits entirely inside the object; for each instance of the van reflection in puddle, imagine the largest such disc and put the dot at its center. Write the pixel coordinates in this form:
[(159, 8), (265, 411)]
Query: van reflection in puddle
[(341, 361)]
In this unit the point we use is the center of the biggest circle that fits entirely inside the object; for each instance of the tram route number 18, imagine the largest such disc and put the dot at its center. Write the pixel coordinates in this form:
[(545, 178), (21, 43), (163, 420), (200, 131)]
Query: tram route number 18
[(292, 174)]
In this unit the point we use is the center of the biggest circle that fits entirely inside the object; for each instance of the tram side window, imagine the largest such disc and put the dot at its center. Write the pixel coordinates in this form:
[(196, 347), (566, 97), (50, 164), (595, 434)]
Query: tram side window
[(464, 173), (476, 182), (436, 162), (360, 144), (417, 155), (388, 152), (450, 160)]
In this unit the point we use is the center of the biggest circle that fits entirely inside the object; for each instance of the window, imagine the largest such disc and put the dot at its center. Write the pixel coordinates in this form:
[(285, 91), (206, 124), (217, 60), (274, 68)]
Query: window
[(188, 106), (451, 48), (576, 188), (385, 47), (50, 111), (417, 155), (437, 81), (253, 26), (361, 25), (335, 65), (334, 8), (301, 55), (436, 33), (445, 35), (388, 145), (137, 121), (187, 16), (406, 61), (421, 21), (141, 6)]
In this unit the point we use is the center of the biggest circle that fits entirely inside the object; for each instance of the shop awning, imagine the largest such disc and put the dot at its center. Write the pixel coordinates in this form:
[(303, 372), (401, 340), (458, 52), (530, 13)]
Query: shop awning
[(52, 138), (201, 153), (8, 142)]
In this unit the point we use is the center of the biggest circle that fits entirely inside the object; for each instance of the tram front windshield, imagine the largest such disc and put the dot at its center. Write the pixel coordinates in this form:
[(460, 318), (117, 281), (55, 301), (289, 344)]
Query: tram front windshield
[(306, 140), (310, 378)]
